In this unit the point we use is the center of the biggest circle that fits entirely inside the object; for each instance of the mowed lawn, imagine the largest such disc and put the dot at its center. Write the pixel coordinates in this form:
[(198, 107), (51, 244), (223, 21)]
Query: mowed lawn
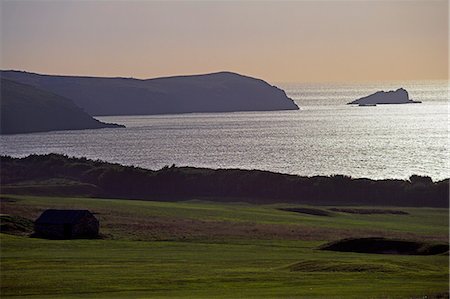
[(219, 250)]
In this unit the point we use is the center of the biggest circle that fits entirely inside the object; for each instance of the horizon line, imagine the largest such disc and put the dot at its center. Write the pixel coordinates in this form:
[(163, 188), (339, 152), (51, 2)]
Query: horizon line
[(219, 72)]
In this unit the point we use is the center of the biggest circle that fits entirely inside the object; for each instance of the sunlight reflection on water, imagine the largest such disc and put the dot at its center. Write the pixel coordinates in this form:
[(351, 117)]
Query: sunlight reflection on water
[(324, 137)]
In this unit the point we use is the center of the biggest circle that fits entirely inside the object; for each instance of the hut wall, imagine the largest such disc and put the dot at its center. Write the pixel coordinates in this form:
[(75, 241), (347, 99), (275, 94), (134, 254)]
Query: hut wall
[(55, 231), (86, 227)]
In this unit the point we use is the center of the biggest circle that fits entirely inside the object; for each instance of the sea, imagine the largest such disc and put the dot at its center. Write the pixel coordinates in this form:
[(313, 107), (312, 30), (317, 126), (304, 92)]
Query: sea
[(324, 137)]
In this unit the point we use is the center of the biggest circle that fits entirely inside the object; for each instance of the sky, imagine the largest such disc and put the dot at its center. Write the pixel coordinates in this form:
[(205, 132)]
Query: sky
[(290, 41)]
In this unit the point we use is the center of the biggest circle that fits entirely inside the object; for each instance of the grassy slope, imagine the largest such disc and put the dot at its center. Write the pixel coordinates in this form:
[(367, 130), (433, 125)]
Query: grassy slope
[(200, 249)]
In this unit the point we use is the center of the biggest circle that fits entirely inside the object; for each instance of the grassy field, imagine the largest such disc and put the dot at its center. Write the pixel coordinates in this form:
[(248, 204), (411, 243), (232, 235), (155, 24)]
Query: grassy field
[(202, 249)]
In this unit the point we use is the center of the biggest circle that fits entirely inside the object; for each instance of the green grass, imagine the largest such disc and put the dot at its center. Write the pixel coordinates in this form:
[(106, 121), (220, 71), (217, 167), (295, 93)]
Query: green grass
[(422, 222), (186, 257)]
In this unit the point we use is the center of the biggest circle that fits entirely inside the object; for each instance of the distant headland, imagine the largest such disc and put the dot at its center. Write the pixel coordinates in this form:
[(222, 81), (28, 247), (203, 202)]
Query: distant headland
[(27, 109), (216, 92), (399, 96)]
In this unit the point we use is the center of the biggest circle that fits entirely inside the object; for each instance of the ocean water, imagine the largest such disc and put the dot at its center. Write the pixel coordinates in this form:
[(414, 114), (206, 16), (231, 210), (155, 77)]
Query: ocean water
[(324, 137)]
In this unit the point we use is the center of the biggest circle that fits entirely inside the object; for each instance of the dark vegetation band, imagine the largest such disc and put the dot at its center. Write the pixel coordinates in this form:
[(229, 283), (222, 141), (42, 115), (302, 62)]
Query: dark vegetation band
[(55, 174)]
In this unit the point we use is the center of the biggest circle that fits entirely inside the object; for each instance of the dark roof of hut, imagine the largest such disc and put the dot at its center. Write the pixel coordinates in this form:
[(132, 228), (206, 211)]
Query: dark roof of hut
[(62, 216)]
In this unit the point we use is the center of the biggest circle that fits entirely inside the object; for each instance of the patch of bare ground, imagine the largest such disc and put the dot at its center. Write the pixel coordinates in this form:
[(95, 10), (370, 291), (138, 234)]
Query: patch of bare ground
[(308, 211), (6, 199), (444, 295), (369, 211), (116, 224)]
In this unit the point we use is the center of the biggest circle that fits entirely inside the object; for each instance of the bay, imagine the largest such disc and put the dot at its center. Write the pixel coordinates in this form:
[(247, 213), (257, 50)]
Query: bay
[(324, 137)]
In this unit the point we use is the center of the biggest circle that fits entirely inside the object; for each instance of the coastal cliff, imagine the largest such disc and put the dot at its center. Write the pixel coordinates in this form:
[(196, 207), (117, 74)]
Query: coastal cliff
[(216, 92), (26, 109)]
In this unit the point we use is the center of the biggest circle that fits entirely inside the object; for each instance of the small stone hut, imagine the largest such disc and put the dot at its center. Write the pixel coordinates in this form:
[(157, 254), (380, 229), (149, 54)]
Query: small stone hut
[(66, 224)]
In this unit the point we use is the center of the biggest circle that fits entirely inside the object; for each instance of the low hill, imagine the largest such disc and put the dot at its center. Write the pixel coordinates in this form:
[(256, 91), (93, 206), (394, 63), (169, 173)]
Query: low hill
[(60, 175), (27, 109), (217, 92)]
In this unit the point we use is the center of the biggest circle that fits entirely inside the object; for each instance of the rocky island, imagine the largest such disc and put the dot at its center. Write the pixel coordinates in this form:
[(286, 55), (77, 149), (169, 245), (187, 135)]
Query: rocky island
[(27, 109), (216, 92), (399, 96)]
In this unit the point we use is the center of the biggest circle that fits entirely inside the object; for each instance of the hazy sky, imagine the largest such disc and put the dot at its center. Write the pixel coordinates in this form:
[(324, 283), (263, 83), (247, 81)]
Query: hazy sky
[(278, 41)]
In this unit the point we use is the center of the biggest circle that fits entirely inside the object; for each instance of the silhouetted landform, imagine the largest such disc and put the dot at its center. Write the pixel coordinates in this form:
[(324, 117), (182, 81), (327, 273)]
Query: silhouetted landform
[(386, 246), (368, 211), (55, 174), (309, 211), (399, 96), (27, 109), (217, 92)]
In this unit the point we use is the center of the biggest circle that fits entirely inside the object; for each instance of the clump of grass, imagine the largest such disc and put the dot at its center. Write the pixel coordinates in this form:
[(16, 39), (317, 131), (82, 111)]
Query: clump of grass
[(15, 225), (386, 246), (340, 266)]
